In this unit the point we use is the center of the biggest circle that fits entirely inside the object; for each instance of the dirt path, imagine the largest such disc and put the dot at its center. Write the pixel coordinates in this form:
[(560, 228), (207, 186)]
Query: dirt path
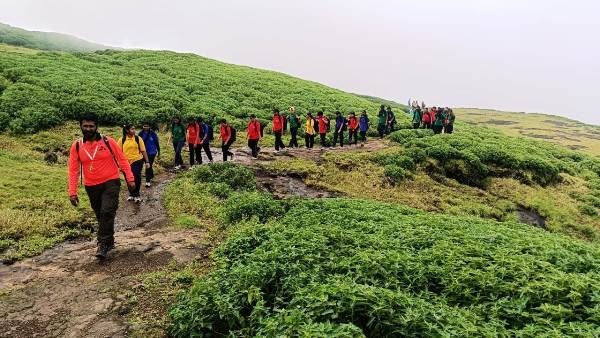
[(65, 292)]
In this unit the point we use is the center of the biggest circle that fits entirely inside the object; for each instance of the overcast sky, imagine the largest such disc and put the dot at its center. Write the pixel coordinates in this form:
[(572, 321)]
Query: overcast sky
[(516, 55)]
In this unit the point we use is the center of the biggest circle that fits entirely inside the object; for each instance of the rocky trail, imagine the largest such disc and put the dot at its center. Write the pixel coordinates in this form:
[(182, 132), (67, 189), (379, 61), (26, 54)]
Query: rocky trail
[(66, 292)]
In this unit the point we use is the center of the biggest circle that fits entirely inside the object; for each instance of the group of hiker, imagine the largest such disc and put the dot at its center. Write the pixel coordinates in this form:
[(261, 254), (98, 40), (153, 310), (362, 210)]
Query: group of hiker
[(436, 118), (97, 159)]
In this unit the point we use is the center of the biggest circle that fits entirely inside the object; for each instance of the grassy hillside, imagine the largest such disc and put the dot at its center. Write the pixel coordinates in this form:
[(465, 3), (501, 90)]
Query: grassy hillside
[(559, 130), (352, 268), (46, 89), (45, 40)]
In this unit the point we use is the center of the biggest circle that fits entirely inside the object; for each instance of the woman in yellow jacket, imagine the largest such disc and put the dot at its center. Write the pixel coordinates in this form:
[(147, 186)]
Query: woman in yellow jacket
[(135, 150), (309, 131)]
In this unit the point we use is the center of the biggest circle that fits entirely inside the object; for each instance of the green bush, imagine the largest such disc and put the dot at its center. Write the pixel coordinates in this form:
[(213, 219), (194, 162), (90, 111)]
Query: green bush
[(237, 177), (588, 210), (395, 173), (341, 266), (245, 205), (4, 121)]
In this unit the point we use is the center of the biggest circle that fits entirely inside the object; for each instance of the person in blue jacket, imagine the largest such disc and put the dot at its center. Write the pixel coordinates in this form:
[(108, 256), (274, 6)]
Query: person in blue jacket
[(363, 123), (152, 149), (205, 138), (341, 124)]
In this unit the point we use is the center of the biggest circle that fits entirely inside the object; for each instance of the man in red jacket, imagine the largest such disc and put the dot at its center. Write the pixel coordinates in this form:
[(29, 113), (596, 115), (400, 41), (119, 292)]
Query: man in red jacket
[(253, 135), (99, 158), (353, 128), (278, 129)]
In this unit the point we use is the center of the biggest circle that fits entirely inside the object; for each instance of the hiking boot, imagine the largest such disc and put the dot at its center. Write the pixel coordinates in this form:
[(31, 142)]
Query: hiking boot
[(148, 184), (130, 198), (137, 199), (103, 249)]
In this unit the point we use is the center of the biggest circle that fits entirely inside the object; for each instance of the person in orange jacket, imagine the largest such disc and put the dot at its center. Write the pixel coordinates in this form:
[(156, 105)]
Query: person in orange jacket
[(323, 122), (98, 159), (253, 134), (353, 128), (193, 141), (278, 121)]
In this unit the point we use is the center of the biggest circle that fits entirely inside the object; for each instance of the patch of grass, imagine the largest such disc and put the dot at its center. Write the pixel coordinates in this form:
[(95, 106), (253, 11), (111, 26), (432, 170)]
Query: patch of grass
[(383, 270)]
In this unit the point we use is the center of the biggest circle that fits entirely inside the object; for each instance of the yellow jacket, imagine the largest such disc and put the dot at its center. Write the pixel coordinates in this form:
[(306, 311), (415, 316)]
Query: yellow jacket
[(131, 149), (310, 126)]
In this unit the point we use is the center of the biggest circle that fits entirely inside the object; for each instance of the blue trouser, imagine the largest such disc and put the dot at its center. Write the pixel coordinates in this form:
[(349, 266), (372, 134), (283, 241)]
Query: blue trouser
[(136, 168), (178, 146)]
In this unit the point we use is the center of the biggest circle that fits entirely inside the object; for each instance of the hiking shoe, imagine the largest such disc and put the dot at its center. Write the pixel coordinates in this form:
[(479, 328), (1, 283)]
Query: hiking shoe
[(137, 199), (148, 184), (130, 198), (103, 250), (177, 167)]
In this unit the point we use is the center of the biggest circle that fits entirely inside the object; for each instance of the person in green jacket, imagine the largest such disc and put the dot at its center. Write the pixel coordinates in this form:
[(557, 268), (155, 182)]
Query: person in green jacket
[(391, 120), (417, 114), (449, 126), (294, 122), (438, 123), (382, 118), (178, 138)]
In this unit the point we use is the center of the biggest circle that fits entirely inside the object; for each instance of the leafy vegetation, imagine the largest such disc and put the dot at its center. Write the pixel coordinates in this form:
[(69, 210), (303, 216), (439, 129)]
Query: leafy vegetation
[(46, 89), (348, 267), (45, 40)]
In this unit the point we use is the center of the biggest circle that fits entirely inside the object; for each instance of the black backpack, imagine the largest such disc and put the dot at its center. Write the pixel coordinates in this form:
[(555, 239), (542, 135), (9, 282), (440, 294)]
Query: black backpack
[(137, 140), (211, 134), (262, 128), (233, 136)]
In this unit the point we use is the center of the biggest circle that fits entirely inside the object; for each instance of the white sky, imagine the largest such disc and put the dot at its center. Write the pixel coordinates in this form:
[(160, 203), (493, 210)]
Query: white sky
[(516, 55)]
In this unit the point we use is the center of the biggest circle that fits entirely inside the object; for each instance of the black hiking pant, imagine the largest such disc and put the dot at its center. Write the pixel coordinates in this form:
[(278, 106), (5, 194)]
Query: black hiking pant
[(437, 129), (253, 145), (177, 147), (150, 171), (353, 136), (416, 125), (363, 136), (195, 154), (323, 139), (104, 198), (278, 142), (136, 169), (294, 139), (339, 135), (449, 128), (309, 140), (206, 147), (225, 149), (381, 130)]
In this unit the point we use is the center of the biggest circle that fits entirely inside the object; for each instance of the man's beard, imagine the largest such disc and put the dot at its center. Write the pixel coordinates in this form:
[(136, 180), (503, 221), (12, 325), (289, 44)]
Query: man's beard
[(89, 134)]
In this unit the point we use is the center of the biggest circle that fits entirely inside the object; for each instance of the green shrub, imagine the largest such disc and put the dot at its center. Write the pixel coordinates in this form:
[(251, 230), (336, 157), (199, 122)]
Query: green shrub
[(336, 265), (4, 121), (395, 173), (237, 177), (588, 210), (245, 205)]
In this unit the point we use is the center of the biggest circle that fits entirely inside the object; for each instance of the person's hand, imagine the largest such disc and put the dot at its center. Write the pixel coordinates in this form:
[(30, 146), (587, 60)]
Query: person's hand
[(74, 200), (195, 146), (148, 165), (131, 186)]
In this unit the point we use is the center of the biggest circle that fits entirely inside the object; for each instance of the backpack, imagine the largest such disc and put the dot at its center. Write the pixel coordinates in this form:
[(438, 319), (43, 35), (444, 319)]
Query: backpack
[(233, 132), (137, 140), (262, 128), (211, 134), (285, 123), (345, 125)]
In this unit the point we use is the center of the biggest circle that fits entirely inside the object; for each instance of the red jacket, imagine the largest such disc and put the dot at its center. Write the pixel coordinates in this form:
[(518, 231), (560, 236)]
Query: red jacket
[(353, 123), (99, 170), (253, 130), (225, 133), (277, 123), (193, 132), (425, 117), (322, 125)]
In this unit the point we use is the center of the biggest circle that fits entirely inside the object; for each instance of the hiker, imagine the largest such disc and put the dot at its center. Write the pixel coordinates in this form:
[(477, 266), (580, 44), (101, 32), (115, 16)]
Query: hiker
[(206, 135), (309, 131), (364, 126), (417, 117), (178, 138), (438, 122), (228, 136), (323, 123), (382, 119), (294, 122), (426, 119), (98, 159), (353, 128), (341, 124), (391, 120), (253, 135), (432, 113), (278, 129), (152, 149), (193, 141), (135, 150), (449, 126)]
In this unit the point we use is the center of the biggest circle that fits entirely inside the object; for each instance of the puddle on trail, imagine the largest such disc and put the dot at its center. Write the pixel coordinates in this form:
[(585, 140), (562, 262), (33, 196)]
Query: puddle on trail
[(288, 186)]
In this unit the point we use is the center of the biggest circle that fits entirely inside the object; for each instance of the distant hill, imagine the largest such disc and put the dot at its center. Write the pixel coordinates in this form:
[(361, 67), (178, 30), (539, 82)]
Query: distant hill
[(46, 41), (559, 130)]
